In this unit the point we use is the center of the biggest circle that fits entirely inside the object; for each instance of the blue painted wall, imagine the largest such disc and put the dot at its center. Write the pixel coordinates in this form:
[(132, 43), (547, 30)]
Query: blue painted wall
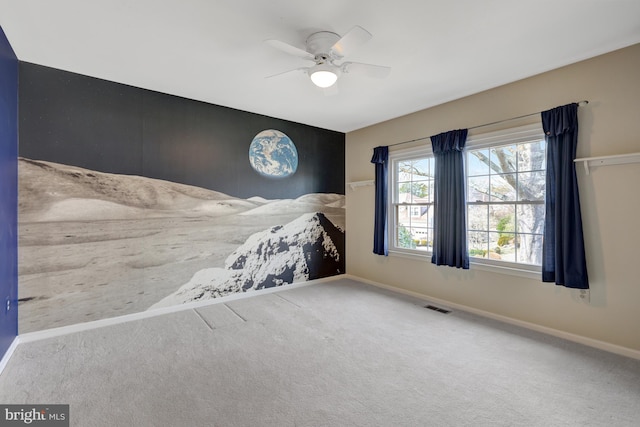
[(8, 194)]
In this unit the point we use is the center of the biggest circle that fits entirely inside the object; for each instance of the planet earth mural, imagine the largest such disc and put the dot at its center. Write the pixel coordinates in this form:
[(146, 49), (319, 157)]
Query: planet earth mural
[(272, 154)]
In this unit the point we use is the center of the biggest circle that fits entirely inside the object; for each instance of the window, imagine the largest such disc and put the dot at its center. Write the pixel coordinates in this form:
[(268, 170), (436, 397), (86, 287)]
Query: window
[(412, 195), (505, 198), (505, 201)]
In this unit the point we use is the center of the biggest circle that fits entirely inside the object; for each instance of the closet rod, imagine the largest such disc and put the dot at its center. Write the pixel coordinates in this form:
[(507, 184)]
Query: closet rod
[(583, 102)]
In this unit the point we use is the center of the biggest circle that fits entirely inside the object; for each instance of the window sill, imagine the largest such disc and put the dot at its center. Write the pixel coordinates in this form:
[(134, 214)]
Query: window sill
[(511, 271), (474, 265), (414, 255)]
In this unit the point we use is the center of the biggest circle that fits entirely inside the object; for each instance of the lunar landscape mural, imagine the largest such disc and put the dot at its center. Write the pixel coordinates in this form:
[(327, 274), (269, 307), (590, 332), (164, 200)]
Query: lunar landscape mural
[(130, 200), (96, 245)]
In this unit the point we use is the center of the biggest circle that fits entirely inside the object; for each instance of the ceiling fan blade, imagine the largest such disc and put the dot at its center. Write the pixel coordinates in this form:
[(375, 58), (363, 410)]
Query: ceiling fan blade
[(376, 71), (350, 42), (303, 69), (291, 50)]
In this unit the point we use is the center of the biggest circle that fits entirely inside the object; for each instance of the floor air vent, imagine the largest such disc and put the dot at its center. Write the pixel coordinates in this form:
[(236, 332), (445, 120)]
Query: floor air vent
[(438, 309)]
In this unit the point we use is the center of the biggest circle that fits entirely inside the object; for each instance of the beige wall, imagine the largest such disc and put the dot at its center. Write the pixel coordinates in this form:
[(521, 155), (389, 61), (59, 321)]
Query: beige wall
[(610, 197)]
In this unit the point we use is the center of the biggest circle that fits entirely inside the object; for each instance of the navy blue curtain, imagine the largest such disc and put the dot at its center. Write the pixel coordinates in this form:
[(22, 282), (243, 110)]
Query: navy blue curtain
[(380, 241), (563, 254), (450, 210)]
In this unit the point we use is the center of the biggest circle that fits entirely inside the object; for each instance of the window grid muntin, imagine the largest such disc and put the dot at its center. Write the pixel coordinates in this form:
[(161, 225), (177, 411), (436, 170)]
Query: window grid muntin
[(518, 201), (419, 230)]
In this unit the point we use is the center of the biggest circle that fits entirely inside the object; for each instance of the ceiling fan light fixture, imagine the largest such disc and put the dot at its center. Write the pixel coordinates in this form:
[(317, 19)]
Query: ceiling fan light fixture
[(324, 79), (323, 75)]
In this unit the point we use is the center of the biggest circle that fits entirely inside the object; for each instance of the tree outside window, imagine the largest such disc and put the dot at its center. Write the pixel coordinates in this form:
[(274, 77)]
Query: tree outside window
[(505, 198)]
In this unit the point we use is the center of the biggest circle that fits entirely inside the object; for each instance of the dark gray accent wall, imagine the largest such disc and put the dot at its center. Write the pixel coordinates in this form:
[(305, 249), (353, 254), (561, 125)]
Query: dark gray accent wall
[(105, 126)]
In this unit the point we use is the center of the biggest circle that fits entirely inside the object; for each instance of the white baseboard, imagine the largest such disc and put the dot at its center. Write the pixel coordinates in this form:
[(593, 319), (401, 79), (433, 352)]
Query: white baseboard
[(8, 354), (64, 330), (602, 345)]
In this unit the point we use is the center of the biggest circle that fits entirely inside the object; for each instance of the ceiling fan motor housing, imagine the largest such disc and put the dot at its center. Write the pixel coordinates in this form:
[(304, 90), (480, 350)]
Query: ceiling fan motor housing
[(320, 43)]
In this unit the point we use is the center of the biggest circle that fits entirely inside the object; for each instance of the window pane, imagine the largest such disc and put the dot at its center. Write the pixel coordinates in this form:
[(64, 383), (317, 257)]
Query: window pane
[(420, 192), (420, 214), (503, 187), (531, 185), (502, 246), (493, 243), (404, 215), (478, 242), (478, 162), (404, 239), (502, 218), (404, 171), (530, 219), (478, 189), (478, 217), (421, 169), (531, 156), (421, 238), (530, 248), (403, 192), (503, 159)]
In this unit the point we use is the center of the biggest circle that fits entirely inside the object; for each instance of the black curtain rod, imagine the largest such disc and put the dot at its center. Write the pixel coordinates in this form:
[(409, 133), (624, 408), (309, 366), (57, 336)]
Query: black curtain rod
[(583, 102)]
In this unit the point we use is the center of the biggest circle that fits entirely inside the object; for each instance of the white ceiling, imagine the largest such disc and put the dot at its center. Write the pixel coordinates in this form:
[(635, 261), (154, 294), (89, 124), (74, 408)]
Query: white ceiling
[(213, 50)]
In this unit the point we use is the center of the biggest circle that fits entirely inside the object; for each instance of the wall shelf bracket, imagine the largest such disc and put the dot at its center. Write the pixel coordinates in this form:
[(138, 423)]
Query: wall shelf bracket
[(356, 184), (617, 159)]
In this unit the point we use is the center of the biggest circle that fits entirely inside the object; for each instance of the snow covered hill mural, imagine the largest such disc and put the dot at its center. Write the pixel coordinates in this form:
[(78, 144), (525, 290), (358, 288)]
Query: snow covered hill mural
[(131, 199), (309, 247)]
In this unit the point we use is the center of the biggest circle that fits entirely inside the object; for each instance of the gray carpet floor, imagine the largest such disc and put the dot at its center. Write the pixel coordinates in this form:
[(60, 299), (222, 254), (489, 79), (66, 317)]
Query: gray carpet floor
[(339, 353)]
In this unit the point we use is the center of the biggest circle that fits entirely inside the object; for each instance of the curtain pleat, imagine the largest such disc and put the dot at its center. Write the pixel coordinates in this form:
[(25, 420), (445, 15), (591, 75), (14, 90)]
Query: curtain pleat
[(380, 241), (563, 253), (450, 210)]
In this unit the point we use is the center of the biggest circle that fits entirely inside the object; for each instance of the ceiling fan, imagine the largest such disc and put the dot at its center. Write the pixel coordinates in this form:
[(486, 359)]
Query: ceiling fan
[(327, 49)]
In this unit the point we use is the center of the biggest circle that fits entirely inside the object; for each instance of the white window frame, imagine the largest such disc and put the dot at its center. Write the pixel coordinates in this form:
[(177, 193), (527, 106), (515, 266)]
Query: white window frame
[(514, 135), (395, 156)]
